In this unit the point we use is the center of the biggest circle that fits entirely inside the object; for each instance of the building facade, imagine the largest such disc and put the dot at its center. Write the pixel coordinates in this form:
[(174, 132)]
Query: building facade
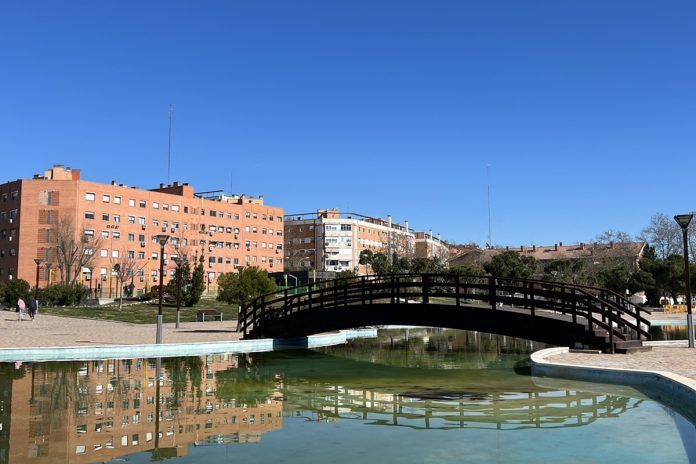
[(116, 223), (331, 241)]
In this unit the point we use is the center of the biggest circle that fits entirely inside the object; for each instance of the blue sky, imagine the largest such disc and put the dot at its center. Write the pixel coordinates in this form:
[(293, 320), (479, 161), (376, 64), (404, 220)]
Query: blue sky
[(584, 110)]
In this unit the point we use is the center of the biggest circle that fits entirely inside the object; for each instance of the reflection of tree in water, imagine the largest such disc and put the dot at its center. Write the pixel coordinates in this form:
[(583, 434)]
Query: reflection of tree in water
[(184, 372), (438, 348), (248, 384), (59, 382)]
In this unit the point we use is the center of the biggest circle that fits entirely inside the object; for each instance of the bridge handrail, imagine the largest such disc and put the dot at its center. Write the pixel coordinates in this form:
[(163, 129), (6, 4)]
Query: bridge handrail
[(601, 305)]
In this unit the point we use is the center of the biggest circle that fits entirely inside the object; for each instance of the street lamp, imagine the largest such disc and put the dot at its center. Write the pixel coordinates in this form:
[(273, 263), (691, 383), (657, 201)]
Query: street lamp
[(683, 220), (162, 240), (36, 290)]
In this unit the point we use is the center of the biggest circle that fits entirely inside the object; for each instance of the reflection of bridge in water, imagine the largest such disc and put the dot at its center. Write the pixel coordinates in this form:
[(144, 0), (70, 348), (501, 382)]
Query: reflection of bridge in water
[(501, 411)]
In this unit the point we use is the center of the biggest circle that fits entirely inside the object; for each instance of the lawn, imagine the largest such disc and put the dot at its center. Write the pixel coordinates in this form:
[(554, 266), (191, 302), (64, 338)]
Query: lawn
[(142, 313)]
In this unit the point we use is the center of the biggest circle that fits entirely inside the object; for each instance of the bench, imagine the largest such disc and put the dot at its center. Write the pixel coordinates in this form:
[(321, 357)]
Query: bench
[(209, 313)]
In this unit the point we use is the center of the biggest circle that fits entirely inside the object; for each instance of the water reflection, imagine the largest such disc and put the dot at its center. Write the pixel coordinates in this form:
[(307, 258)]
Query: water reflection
[(668, 332), (99, 411)]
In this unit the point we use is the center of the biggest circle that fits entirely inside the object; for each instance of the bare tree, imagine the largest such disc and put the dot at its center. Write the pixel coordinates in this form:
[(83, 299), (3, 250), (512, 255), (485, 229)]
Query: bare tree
[(613, 236), (663, 235), (73, 252), (126, 266)]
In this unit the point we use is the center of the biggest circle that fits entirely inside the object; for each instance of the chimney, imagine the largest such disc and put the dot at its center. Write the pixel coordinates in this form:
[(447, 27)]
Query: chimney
[(439, 238), (533, 247), (611, 245), (555, 247), (406, 225), (507, 248), (161, 185), (582, 246), (389, 221), (521, 247), (176, 183), (560, 243)]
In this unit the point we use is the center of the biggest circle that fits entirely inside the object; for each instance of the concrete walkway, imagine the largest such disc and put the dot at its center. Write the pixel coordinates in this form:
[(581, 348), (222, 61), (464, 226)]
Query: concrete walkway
[(676, 359), (55, 331)]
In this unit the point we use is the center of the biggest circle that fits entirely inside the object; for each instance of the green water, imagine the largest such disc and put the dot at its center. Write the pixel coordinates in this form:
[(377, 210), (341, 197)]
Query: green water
[(416, 396)]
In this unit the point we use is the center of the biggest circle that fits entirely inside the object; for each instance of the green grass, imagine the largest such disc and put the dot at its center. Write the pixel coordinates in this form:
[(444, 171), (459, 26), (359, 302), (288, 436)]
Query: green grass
[(142, 313)]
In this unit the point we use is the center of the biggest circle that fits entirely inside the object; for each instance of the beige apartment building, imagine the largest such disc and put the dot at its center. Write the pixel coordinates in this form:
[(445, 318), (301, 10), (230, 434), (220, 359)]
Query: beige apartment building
[(228, 232), (98, 411), (331, 241)]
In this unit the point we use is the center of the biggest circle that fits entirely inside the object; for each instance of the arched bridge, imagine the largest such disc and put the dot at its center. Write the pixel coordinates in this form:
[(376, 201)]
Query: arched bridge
[(549, 312)]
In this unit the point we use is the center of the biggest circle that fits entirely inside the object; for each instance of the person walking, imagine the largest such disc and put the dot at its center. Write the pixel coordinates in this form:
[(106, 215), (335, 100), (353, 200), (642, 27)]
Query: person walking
[(21, 306), (33, 306)]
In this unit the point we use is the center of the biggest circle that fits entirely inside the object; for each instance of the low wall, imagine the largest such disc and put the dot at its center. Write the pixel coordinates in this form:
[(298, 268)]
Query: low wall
[(82, 353), (675, 390)]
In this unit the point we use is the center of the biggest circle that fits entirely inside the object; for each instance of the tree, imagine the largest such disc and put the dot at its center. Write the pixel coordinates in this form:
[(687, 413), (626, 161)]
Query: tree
[(73, 253), (613, 236), (125, 267), (197, 284), (511, 265), (15, 289), (242, 287), (180, 286), (664, 236), (617, 279)]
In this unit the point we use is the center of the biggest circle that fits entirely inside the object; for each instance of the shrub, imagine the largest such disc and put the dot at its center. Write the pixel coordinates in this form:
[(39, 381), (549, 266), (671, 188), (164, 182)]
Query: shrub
[(15, 289), (62, 295)]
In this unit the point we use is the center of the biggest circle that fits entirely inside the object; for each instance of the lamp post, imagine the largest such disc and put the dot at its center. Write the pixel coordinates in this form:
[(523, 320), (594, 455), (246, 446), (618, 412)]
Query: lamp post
[(36, 290), (683, 220), (162, 240)]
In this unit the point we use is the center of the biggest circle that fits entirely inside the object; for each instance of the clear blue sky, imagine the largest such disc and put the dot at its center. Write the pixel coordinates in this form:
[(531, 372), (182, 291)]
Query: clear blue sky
[(584, 110)]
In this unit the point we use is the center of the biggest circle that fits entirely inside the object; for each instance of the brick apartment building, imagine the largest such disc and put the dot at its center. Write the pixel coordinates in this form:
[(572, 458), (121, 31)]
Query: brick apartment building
[(228, 231), (330, 241), (106, 410)]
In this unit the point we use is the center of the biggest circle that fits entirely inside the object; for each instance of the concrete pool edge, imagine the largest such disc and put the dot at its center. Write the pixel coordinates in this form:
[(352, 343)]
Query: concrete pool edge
[(678, 390), (84, 353)]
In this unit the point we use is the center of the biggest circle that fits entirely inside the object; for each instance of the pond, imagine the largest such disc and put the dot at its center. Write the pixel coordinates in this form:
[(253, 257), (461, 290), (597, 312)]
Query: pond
[(418, 395)]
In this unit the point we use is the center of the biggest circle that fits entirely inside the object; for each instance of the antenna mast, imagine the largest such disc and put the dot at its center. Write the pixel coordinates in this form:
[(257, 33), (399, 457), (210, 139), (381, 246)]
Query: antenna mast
[(488, 187), (169, 147)]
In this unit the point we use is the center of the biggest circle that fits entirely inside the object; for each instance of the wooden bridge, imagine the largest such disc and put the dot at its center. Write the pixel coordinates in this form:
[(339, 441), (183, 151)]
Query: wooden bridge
[(549, 312)]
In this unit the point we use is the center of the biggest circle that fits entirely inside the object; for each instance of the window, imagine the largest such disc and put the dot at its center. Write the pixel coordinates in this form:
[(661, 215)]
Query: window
[(247, 214), (117, 200), (345, 227), (89, 234), (105, 216), (106, 198), (131, 202), (117, 218), (165, 207), (236, 216), (90, 196), (142, 204), (155, 205), (131, 237), (104, 254), (114, 253), (105, 234), (213, 213), (89, 215), (131, 254), (185, 209), (141, 255), (131, 219), (175, 208), (116, 235)]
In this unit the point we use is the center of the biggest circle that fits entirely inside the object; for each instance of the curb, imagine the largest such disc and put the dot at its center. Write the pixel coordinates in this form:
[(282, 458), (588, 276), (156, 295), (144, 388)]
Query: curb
[(84, 353), (677, 391)]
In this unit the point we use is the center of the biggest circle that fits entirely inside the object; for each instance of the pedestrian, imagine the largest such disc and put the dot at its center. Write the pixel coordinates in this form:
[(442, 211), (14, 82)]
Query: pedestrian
[(21, 306), (33, 305)]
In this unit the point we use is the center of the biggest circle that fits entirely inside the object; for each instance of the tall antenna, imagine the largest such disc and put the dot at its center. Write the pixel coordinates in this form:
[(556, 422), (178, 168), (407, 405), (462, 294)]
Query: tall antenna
[(231, 191), (169, 148), (488, 186)]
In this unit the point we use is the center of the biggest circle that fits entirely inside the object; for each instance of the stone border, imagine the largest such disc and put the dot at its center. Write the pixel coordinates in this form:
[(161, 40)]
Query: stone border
[(678, 391), (84, 353)]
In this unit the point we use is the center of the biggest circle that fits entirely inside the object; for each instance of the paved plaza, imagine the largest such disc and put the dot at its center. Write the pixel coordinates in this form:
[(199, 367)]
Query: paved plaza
[(55, 331)]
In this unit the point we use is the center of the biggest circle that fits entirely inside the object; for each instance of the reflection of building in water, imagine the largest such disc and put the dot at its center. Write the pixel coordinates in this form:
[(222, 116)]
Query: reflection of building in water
[(100, 410), (504, 411)]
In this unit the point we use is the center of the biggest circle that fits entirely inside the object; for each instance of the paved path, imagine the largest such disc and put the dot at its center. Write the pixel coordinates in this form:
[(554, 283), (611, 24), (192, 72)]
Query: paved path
[(678, 360), (48, 331)]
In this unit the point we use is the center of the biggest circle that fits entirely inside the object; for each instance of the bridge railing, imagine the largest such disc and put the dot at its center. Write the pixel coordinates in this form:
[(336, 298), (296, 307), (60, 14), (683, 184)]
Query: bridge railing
[(600, 309)]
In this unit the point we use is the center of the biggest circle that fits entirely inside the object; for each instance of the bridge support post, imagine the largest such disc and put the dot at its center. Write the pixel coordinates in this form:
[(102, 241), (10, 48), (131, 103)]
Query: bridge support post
[(286, 308), (392, 288), (426, 289), (456, 290), (362, 289), (491, 291)]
